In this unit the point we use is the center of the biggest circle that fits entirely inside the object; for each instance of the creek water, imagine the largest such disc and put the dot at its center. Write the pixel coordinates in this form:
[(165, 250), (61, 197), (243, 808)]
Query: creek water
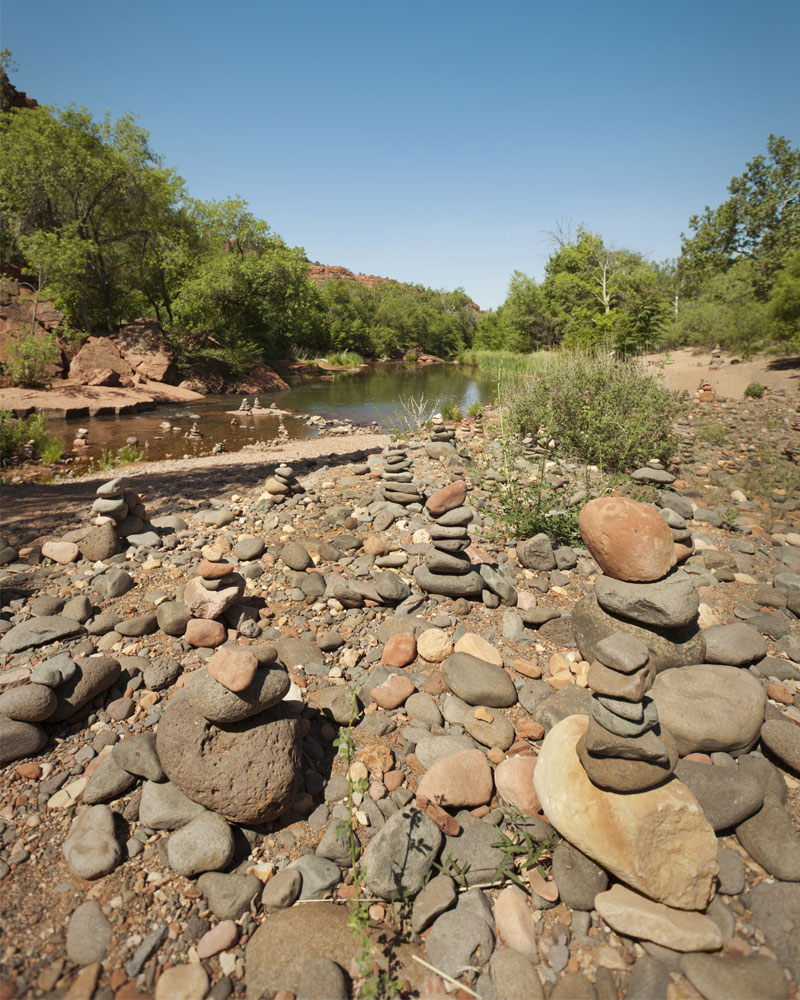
[(374, 394)]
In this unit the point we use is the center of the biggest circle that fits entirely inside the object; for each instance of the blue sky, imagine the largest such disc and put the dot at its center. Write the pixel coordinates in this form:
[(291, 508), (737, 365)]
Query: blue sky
[(434, 142)]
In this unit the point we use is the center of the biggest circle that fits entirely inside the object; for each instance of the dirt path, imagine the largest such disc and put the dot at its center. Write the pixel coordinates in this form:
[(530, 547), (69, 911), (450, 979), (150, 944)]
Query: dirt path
[(685, 368), (30, 510)]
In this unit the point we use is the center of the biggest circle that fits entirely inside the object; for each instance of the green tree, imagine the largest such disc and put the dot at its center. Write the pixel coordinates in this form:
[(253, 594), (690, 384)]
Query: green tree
[(784, 303), (759, 222), (526, 321)]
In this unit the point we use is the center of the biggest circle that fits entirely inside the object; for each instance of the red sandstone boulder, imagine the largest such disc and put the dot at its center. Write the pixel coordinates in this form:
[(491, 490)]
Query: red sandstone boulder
[(143, 345), (628, 540), (103, 376), (98, 354)]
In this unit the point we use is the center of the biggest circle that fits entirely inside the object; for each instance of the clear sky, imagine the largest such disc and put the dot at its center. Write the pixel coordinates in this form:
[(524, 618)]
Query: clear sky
[(434, 142)]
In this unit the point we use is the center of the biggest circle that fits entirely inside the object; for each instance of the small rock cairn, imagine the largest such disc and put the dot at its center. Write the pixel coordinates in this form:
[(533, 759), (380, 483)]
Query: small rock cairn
[(447, 570), (440, 432), (398, 480), (624, 750), (281, 484), (122, 508), (207, 596)]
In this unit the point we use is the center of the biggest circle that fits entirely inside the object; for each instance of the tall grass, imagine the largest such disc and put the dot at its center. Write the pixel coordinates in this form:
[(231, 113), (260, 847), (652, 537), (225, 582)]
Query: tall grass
[(506, 362), (27, 438), (600, 410), (345, 359)]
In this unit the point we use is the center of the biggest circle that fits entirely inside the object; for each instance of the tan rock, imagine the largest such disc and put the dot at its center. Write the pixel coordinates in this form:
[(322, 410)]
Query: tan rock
[(205, 632), (182, 982), (374, 545), (514, 780), (630, 914), (434, 645), (233, 668), (460, 780), (447, 498), (627, 539), (400, 650), (528, 668), (476, 645), (513, 918), (658, 841), (613, 684), (214, 570), (61, 552), (393, 692)]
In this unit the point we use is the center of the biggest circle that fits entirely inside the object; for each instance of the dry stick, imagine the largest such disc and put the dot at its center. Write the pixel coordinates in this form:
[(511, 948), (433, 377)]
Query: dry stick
[(444, 975)]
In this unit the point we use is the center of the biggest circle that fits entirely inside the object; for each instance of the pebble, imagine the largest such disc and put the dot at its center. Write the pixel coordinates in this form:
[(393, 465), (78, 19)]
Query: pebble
[(88, 934), (182, 982), (633, 915), (219, 938), (462, 779), (91, 848), (204, 844), (514, 921)]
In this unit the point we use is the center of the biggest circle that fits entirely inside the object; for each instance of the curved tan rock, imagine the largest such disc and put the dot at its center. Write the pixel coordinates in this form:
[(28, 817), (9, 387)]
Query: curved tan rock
[(658, 841), (627, 539)]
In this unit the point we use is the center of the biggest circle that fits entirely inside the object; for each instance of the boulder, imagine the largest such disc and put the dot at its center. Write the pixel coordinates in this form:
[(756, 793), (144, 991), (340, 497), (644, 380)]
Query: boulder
[(627, 539), (96, 354), (143, 345)]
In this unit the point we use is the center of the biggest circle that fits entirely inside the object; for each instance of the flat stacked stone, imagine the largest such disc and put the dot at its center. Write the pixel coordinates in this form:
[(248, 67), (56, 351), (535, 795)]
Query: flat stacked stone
[(281, 484), (398, 484), (624, 748), (207, 596), (440, 431), (640, 591), (448, 569), (122, 507)]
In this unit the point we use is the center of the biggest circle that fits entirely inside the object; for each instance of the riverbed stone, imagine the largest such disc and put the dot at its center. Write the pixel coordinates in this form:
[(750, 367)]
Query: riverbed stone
[(248, 771), (91, 848), (108, 782), (776, 912), (460, 779), (536, 553), (627, 539), (220, 705), (708, 707), (769, 837), (28, 703), (726, 796), (229, 895), (172, 617), (204, 603), (88, 934), (673, 647), (782, 740), (163, 806), (467, 585), (514, 976), (735, 978), (737, 645), (93, 676), (670, 602), (99, 542), (657, 841), (459, 940), (19, 739), (39, 631), (394, 870), (448, 498), (578, 878), (514, 779), (477, 682), (633, 915), (113, 583), (203, 845), (473, 850)]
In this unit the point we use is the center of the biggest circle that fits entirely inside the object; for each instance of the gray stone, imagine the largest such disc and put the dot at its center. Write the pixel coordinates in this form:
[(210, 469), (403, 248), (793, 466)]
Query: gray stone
[(391, 589), (203, 845), (102, 624), (298, 652), (88, 934), (737, 645), (625, 727), (161, 673), (282, 890), (468, 585), (91, 848), (336, 703), (248, 548), (229, 896), (477, 682), (649, 980), (19, 739), (79, 608), (514, 977), (765, 773), (536, 553), (430, 749), (673, 647), (422, 709), (499, 584), (726, 796), (108, 782), (670, 602), (437, 896), (731, 871), (622, 652), (459, 941), (570, 700), (319, 875), (447, 563), (165, 807), (782, 739), (113, 583), (138, 626), (45, 673), (172, 617), (137, 755), (218, 704), (321, 979), (295, 556), (28, 703), (734, 978), (399, 856), (39, 632), (46, 604), (146, 950), (710, 707), (769, 837), (93, 676), (578, 878), (474, 858), (113, 488), (776, 912)]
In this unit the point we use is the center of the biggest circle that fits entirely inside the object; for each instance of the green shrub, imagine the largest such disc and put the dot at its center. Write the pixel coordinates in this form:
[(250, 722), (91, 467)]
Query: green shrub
[(26, 438), (345, 359), (755, 390), (29, 359), (602, 411), (450, 410), (475, 409), (505, 362)]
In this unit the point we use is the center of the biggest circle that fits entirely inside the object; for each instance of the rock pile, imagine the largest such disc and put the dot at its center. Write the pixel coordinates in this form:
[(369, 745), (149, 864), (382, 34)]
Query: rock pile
[(440, 432), (281, 484), (122, 508), (398, 485), (640, 592), (207, 597), (448, 569)]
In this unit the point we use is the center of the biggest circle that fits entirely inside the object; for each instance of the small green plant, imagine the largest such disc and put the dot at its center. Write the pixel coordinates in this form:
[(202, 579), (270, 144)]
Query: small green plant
[(450, 410), (712, 432), (26, 439), (345, 359), (452, 868), (410, 358), (475, 409), (30, 357), (521, 852), (755, 390), (109, 459)]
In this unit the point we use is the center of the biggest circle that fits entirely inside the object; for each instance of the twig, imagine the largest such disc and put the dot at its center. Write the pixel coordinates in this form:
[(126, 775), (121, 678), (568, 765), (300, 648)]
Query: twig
[(444, 976)]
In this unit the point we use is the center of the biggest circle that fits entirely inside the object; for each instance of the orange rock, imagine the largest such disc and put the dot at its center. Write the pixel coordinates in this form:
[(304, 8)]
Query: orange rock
[(393, 692), (233, 668), (214, 570), (528, 668), (448, 824), (205, 632), (628, 540), (777, 692), (400, 650), (447, 498), (530, 730), (29, 770)]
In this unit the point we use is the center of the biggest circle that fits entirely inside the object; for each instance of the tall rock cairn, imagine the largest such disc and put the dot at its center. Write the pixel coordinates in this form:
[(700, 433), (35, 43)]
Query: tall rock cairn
[(447, 570), (398, 484)]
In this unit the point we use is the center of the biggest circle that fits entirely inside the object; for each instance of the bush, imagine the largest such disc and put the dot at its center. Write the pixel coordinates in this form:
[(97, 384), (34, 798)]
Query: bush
[(475, 409), (26, 439), (755, 390), (345, 359), (602, 411), (451, 410), (29, 359)]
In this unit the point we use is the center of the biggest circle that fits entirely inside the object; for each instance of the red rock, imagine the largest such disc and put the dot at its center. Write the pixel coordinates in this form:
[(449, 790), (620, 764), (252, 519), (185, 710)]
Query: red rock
[(462, 779), (223, 936), (102, 376), (628, 540), (393, 692), (514, 780), (29, 770), (448, 824), (683, 550), (121, 708), (530, 730), (205, 632), (143, 345), (400, 650), (98, 353), (233, 668), (214, 570), (777, 692), (447, 498)]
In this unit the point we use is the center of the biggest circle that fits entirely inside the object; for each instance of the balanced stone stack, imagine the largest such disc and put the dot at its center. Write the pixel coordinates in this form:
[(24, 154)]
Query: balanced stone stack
[(207, 596), (440, 431), (640, 591), (121, 506), (281, 484), (624, 749), (226, 741), (447, 570), (398, 480)]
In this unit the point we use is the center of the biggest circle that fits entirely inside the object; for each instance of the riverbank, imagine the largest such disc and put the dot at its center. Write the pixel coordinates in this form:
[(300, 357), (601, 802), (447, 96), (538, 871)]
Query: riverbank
[(72, 400)]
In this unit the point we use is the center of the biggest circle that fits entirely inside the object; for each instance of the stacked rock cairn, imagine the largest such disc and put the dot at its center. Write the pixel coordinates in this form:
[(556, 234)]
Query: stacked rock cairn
[(447, 569), (120, 506), (440, 431), (398, 480), (208, 596), (281, 484), (624, 749)]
